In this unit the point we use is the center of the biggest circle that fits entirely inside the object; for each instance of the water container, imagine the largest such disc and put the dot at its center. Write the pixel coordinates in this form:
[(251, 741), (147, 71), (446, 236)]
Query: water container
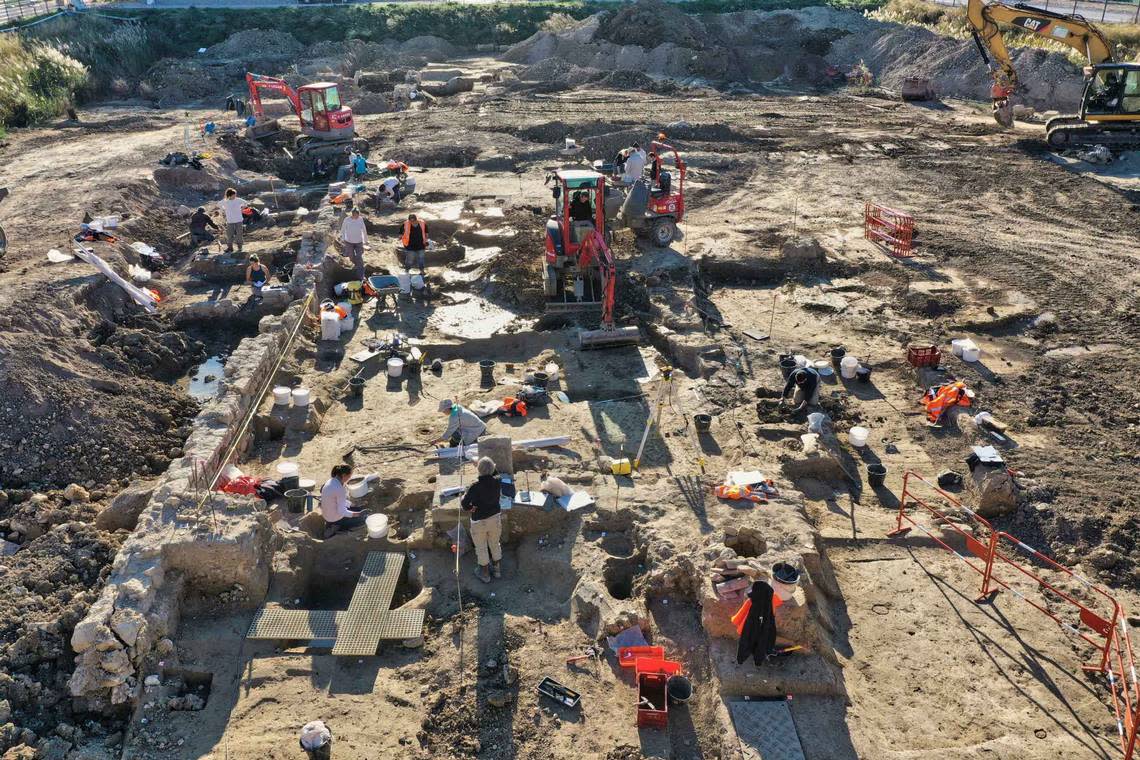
[(347, 323), (281, 395), (395, 366), (288, 469), (377, 525), (300, 397), (858, 436), (971, 353), (330, 325), (405, 281), (848, 367)]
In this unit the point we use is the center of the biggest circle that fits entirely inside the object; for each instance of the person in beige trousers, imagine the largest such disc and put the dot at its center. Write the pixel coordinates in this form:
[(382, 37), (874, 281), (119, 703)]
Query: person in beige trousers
[(482, 502)]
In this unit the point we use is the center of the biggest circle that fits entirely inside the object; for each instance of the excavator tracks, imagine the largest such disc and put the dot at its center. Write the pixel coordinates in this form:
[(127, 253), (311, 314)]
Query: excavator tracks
[(1062, 134)]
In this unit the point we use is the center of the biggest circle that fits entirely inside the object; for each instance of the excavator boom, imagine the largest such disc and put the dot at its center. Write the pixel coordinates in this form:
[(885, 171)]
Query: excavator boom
[(594, 249), (1072, 30)]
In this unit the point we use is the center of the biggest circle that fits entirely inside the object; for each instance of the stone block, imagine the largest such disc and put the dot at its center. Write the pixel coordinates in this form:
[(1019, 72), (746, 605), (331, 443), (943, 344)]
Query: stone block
[(124, 510), (599, 614), (994, 489)]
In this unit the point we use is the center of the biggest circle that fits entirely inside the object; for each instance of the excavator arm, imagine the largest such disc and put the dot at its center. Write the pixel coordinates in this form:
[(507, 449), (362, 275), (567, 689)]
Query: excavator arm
[(1071, 30), (259, 82), (594, 249)]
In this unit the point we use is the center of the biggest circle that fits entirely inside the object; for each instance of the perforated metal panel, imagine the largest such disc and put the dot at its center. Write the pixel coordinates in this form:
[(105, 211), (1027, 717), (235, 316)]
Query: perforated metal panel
[(279, 623), (358, 630), (766, 730)]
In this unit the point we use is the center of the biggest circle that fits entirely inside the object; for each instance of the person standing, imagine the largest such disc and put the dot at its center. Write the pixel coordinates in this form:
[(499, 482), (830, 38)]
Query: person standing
[(232, 208), (256, 275), (334, 501), (199, 221), (354, 235), (482, 502), (634, 165), (415, 241)]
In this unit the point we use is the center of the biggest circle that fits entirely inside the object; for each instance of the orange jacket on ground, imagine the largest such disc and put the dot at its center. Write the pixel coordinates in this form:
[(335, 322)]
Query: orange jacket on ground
[(938, 400), (407, 237), (738, 492)]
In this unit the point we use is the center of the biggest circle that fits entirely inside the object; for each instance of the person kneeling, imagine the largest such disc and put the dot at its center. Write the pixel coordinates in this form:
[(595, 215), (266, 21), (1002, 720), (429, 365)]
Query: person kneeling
[(482, 502), (334, 502)]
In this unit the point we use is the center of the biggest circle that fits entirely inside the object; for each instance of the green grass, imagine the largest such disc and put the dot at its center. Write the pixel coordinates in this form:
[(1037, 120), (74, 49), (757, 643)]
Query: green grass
[(951, 22)]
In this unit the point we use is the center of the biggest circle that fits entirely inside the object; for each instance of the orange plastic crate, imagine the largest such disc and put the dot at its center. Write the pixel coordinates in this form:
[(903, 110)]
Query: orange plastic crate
[(628, 656)]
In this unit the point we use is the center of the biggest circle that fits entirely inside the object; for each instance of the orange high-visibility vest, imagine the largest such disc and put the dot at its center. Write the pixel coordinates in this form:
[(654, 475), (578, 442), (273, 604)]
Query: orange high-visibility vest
[(938, 400), (407, 238)]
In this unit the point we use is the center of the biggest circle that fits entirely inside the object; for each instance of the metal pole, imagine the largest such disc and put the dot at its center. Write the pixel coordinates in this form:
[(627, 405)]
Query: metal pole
[(1104, 11)]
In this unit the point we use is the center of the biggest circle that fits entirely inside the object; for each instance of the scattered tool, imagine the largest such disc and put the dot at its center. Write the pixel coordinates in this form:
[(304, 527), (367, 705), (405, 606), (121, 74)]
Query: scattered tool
[(591, 652), (564, 695)]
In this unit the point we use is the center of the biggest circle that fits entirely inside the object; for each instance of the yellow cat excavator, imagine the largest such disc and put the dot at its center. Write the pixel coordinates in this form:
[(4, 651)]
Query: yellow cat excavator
[(1110, 105)]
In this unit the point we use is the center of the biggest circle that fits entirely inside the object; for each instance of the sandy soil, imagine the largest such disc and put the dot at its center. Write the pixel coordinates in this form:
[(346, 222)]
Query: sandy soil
[(905, 664)]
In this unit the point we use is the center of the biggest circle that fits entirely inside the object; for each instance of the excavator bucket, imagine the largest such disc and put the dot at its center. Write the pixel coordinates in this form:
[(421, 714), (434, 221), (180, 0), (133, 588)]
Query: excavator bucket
[(608, 337), (1003, 113)]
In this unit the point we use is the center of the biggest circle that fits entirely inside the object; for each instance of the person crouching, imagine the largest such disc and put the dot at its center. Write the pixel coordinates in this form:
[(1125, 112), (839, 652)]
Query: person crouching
[(482, 502)]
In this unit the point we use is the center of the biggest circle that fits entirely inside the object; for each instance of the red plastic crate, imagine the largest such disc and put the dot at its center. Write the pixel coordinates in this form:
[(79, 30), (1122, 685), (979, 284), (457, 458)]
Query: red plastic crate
[(628, 656), (653, 687), (656, 665), (923, 356)]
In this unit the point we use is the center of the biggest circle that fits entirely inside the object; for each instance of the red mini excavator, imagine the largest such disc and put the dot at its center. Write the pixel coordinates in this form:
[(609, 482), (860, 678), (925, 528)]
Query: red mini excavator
[(581, 274), (326, 124)]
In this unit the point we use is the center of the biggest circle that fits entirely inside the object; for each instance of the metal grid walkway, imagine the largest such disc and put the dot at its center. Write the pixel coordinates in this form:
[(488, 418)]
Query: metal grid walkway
[(357, 631), (766, 730)]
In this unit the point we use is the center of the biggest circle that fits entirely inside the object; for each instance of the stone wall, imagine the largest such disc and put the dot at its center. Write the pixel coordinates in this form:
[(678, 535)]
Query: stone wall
[(220, 546)]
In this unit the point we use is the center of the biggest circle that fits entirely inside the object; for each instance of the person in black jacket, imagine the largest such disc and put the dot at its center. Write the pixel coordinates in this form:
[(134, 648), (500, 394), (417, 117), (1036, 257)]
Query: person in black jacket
[(759, 634), (482, 502)]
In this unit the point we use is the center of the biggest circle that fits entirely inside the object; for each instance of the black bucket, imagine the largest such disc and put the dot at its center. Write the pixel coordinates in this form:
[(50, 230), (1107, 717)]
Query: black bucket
[(837, 354), (679, 688), (487, 372), (356, 387), (787, 367), (863, 374), (289, 482), (295, 500), (703, 422), (787, 574), (876, 475), (323, 752), (541, 379)]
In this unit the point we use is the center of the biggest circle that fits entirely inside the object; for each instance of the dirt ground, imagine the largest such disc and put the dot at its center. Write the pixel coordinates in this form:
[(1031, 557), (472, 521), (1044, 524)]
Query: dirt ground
[(1033, 261)]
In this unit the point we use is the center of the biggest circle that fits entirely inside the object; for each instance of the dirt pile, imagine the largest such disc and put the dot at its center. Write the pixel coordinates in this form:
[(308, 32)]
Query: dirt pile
[(807, 48), (45, 589), (177, 80), (256, 43), (68, 413)]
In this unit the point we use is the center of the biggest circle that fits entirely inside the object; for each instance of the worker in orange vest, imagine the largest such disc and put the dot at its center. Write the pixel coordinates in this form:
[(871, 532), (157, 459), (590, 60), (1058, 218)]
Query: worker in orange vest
[(415, 242), (938, 400)]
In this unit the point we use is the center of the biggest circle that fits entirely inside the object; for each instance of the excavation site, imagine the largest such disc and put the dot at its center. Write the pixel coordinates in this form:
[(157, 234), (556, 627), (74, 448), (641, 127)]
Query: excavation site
[(641, 380)]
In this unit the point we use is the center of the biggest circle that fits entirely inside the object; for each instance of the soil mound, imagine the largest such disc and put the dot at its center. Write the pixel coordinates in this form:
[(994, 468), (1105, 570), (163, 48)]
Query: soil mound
[(256, 43), (650, 23)]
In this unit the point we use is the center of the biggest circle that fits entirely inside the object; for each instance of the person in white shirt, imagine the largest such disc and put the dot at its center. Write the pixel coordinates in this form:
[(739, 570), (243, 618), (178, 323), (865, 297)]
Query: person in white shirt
[(354, 236), (634, 165), (390, 190), (231, 207), (334, 501)]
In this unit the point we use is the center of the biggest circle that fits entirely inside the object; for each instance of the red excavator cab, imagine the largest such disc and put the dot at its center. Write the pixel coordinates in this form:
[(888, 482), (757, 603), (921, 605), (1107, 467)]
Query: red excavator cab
[(322, 114)]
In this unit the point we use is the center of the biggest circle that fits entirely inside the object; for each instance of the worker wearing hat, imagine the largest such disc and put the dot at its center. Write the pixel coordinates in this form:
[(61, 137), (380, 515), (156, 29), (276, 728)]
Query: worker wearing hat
[(463, 425)]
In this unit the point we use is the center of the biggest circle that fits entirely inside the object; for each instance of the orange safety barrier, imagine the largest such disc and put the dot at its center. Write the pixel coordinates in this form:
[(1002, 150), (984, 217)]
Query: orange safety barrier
[(890, 228), (1103, 625)]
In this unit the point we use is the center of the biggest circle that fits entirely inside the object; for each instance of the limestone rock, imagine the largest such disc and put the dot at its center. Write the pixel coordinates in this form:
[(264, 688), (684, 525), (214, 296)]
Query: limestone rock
[(802, 253), (995, 489), (128, 625), (600, 614), (76, 494), (124, 510)]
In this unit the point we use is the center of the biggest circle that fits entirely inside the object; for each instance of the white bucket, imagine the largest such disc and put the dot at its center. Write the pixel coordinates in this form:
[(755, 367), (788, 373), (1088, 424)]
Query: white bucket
[(783, 590), (971, 353), (405, 281), (377, 525), (300, 397), (288, 469), (358, 486), (395, 366), (330, 325), (551, 372), (847, 367), (956, 345), (347, 323), (281, 395), (417, 282), (815, 422), (858, 436)]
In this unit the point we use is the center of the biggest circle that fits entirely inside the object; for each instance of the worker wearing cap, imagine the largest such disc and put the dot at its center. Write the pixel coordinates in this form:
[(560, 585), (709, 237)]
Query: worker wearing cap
[(463, 425), (803, 386)]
